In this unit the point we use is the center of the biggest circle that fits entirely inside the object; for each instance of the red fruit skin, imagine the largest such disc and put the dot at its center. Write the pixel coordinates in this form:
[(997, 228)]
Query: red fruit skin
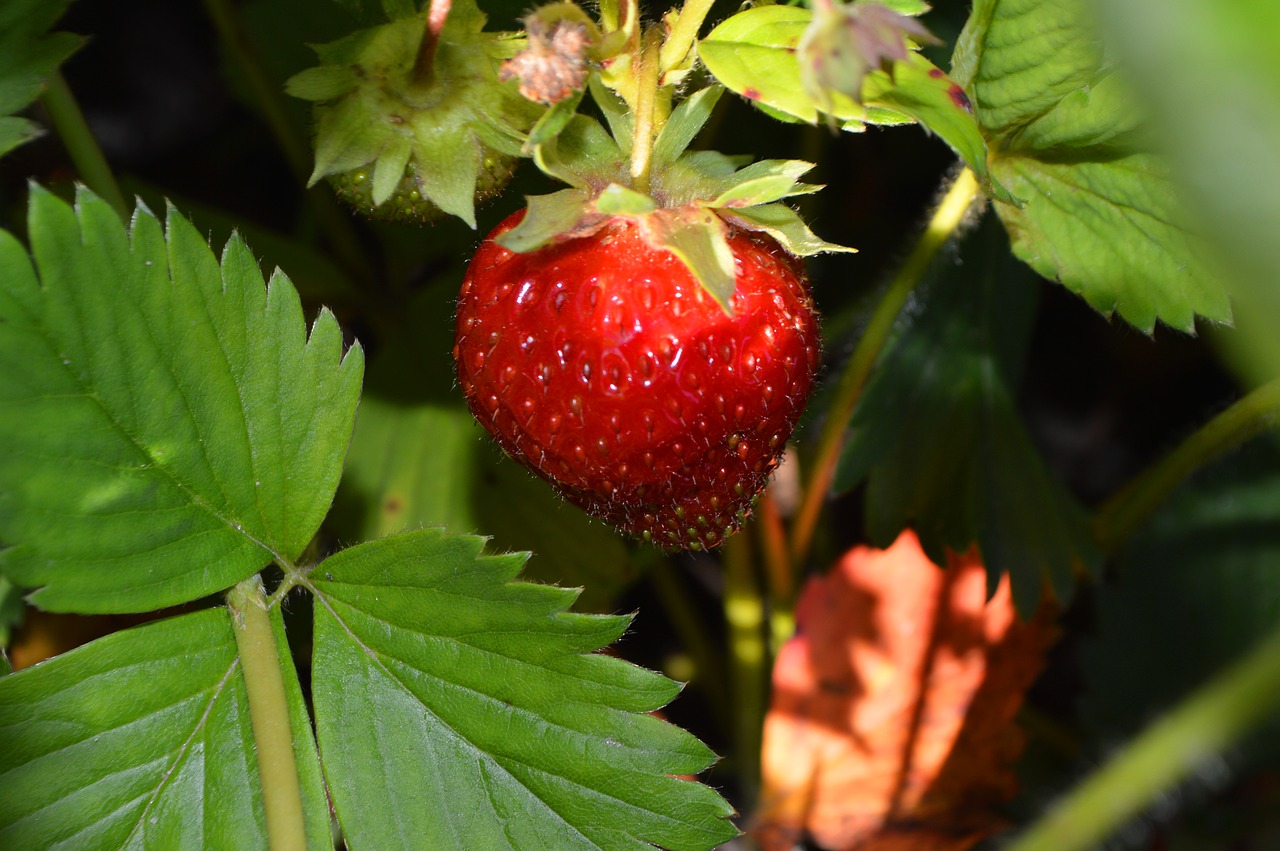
[(604, 367)]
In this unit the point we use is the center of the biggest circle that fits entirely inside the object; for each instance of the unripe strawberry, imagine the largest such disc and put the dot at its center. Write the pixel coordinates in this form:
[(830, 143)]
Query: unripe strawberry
[(407, 134)]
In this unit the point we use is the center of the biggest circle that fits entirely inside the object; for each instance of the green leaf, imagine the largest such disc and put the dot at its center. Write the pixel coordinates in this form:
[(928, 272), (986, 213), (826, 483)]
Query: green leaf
[(29, 54), (143, 739), (14, 132), (322, 82), (1221, 59), (496, 725), (11, 610), (1100, 214), (168, 426), (615, 112), (1202, 576), (753, 53), (923, 92), (389, 171), (936, 434), (581, 154), (785, 225)]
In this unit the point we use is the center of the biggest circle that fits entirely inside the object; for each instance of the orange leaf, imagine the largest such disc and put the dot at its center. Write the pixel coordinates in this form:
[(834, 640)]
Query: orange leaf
[(891, 720)]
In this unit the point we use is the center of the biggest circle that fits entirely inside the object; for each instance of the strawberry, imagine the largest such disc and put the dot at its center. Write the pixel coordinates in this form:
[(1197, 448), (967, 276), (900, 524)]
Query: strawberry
[(604, 365)]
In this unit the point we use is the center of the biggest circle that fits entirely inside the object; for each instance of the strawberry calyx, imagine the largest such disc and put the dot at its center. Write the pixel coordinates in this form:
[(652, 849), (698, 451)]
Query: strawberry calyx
[(400, 140), (694, 199)]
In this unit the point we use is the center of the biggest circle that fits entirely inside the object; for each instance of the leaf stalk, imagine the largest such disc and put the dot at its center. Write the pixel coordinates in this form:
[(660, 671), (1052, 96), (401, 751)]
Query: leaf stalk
[(269, 711), (69, 123), (1181, 743), (683, 33), (1129, 507), (946, 220)]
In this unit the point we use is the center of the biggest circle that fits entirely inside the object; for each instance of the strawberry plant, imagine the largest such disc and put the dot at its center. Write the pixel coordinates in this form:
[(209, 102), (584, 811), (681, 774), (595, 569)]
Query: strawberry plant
[(794, 326)]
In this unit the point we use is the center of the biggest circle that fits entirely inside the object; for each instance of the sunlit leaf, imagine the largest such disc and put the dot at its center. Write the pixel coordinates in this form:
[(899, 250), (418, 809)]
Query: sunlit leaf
[(119, 743), (1100, 214), (891, 722), (168, 426), (493, 724)]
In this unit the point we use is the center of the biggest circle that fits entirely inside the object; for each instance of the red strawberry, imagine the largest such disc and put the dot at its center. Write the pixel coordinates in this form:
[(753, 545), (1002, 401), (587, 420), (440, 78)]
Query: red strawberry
[(604, 366)]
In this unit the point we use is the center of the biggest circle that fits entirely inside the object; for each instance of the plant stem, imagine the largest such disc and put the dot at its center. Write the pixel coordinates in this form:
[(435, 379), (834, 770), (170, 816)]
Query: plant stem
[(683, 34), (778, 570), (269, 711), (1126, 510), (944, 222), (68, 122), (749, 659), (425, 66), (645, 110), (1185, 740)]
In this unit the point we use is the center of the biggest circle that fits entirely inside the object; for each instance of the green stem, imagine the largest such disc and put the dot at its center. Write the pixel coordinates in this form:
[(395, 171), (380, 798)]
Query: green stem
[(1170, 750), (946, 219), (269, 711), (683, 34), (645, 111), (1126, 510), (268, 97), (744, 612), (425, 66), (68, 122)]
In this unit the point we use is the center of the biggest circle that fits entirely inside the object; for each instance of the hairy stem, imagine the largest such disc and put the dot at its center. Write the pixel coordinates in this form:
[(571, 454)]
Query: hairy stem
[(645, 110), (744, 613), (269, 710), (424, 68), (944, 222), (778, 570), (1126, 510), (1184, 741), (68, 122), (683, 34)]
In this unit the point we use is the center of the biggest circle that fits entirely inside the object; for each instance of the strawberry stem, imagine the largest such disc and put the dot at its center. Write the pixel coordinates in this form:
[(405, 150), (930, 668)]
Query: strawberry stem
[(683, 33), (646, 127), (424, 67), (946, 219)]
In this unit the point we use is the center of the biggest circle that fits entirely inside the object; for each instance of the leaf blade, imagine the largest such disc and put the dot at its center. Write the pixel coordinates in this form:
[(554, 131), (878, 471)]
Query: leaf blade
[(502, 702), (151, 463)]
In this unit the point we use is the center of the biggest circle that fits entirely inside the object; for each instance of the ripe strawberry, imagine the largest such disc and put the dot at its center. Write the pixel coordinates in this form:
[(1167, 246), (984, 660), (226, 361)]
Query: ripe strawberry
[(604, 366)]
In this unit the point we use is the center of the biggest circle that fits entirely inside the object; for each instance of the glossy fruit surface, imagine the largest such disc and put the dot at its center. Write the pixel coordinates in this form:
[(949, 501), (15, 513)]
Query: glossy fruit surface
[(603, 366)]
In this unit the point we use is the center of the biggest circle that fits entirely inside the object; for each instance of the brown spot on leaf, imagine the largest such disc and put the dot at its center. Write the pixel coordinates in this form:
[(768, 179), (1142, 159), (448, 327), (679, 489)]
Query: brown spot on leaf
[(959, 98), (751, 94)]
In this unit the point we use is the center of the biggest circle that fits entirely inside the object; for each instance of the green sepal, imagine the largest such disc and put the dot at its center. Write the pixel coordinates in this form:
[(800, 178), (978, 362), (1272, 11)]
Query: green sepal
[(699, 239), (582, 155), (763, 183), (683, 125), (618, 200), (547, 217), (615, 112), (785, 225), (554, 120)]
